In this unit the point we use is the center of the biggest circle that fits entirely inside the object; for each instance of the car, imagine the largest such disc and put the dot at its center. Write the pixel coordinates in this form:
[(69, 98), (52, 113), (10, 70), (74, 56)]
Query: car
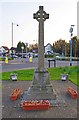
[(57, 56), (13, 56), (24, 56), (30, 54), (36, 55), (49, 53)]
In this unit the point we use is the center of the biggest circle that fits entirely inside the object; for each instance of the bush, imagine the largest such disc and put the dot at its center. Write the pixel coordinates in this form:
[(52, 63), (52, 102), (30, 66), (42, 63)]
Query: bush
[(49, 56), (3, 59)]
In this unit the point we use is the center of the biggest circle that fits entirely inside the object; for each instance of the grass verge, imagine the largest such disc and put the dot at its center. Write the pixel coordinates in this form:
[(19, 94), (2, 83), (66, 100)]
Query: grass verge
[(55, 74)]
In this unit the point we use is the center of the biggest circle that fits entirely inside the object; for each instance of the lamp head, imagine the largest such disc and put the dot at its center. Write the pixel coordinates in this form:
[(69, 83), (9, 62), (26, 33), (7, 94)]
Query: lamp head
[(72, 25), (17, 25)]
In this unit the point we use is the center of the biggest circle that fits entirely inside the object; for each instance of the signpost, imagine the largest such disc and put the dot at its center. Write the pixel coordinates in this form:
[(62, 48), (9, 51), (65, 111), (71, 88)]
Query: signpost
[(71, 31)]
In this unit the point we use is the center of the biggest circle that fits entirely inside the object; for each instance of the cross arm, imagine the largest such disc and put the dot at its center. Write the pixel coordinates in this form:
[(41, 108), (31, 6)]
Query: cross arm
[(46, 16), (36, 15)]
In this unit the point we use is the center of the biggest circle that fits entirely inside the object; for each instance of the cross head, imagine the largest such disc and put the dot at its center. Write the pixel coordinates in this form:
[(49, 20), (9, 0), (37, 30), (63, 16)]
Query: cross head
[(41, 15)]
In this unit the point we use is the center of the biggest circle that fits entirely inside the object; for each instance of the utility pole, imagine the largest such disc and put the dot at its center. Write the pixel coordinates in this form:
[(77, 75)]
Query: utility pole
[(12, 36)]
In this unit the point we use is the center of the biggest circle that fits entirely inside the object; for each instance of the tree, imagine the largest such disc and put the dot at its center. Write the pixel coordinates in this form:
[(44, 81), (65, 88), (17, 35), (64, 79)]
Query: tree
[(77, 50), (19, 47), (67, 49), (63, 47), (60, 47), (33, 47), (74, 46)]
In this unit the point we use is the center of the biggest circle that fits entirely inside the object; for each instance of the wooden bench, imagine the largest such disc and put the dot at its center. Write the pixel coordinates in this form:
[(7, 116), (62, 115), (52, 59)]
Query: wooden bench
[(72, 92)]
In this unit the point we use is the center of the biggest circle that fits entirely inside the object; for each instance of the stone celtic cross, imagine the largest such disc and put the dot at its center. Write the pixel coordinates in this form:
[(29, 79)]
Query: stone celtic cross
[(41, 16), (40, 88)]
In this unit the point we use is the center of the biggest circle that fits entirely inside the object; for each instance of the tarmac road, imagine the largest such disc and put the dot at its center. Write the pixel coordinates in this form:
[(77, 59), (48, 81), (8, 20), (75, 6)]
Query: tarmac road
[(23, 63)]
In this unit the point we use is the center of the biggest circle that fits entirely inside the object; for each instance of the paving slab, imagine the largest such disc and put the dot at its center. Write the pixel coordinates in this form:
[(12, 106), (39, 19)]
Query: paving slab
[(67, 108)]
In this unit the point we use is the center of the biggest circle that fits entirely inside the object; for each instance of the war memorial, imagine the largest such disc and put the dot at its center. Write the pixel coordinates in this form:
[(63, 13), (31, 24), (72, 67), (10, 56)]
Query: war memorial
[(40, 88)]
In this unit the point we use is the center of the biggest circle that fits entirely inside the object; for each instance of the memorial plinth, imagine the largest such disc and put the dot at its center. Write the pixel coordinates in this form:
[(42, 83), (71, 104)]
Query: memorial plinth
[(40, 87)]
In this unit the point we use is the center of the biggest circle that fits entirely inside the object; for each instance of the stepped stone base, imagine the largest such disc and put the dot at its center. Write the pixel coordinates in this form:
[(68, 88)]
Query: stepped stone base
[(40, 88)]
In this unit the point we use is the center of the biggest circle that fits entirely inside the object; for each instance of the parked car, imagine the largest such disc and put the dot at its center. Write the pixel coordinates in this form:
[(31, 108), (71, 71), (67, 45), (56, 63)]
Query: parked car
[(36, 55), (30, 54), (14, 56), (24, 56), (49, 53), (57, 56)]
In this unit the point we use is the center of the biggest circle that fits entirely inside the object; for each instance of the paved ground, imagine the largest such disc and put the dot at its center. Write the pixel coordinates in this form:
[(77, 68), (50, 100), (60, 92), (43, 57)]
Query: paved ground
[(11, 109)]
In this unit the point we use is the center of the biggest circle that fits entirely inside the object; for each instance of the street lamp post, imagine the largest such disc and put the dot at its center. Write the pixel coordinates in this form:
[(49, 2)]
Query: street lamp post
[(22, 50), (71, 32), (12, 36), (26, 46)]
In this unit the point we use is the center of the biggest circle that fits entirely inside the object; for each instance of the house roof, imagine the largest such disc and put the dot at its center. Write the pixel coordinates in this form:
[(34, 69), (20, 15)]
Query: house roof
[(13, 48), (5, 47), (48, 44)]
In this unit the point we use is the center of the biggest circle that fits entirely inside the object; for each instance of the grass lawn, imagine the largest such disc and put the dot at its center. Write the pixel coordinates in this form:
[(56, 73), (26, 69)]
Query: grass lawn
[(3, 59), (73, 73), (55, 74)]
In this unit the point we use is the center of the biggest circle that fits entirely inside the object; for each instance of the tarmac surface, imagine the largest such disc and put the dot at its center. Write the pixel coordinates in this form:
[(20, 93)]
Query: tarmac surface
[(18, 64), (67, 108)]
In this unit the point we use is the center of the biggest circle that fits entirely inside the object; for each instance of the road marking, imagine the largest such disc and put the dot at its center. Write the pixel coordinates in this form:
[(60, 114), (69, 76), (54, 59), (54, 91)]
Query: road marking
[(15, 63), (27, 68), (21, 69)]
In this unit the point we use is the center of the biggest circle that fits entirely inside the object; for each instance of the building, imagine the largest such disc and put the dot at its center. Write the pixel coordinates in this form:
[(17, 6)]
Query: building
[(48, 49), (4, 50), (12, 50)]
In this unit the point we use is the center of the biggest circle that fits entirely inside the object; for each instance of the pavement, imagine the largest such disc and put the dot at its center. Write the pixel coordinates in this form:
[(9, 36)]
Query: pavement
[(12, 109)]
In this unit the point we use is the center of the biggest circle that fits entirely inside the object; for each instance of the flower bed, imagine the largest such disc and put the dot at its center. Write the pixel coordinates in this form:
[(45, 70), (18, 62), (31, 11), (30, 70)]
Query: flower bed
[(35, 105)]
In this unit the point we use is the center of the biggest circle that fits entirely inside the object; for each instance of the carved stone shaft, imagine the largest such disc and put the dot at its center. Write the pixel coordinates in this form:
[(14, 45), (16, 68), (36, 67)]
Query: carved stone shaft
[(41, 16), (40, 88)]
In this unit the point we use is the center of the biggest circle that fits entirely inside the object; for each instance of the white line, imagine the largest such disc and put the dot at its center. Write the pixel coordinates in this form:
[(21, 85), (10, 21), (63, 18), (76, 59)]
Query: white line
[(27, 68)]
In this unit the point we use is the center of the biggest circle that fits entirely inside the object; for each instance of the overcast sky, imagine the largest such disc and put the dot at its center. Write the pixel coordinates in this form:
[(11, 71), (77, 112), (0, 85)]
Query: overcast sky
[(62, 14)]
